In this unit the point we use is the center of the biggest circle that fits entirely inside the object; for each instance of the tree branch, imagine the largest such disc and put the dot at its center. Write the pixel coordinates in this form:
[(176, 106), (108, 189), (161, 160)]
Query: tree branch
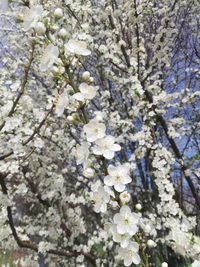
[(32, 246)]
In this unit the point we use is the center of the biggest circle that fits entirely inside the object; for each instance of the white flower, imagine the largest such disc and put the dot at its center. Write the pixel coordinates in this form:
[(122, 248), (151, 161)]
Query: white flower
[(63, 101), (86, 76), (38, 142), (43, 247), (32, 16), (87, 92), (82, 153), (126, 221), (89, 172), (106, 147), (77, 48), (40, 28), (138, 206), (101, 198), (58, 13), (118, 177), (123, 239), (70, 118), (164, 264), (125, 197), (94, 130), (49, 57), (22, 235), (180, 240), (196, 263), (99, 115), (55, 70), (151, 243), (130, 254), (147, 229), (62, 33)]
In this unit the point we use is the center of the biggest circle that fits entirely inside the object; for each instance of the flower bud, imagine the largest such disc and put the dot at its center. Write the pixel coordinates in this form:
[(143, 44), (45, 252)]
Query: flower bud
[(188, 172), (40, 28), (70, 118), (89, 172), (61, 69), (86, 75), (55, 70), (54, 28), (151, 243), (58, 13), (91, 79), (147, 229), (138, 206), (62, 33), (125, 197)]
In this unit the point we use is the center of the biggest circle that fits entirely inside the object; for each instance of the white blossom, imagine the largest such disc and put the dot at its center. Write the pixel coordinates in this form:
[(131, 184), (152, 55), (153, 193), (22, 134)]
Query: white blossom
[(130, 254), (101, 199), (151, 243), (123, 239), (49, 57), (60, 137), (196, 263), (138, 206), (58, 12), (32, 16), (99, 116), (147, 229), (126, 221), (82, 153), (118, 176), (89, 172), (125, 197), (180, 240), (62, 103), (94, 130), (77, 48), (86, 76), (106, 147), (40, 28), (87, 92), (62, 33)]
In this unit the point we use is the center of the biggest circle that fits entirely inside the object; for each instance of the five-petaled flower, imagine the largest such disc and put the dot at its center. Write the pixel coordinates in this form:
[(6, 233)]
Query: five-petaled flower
[(130, 254), (87, 92), (82, 153), (49, 57), (101, 198), (126, 221), (106, 147), (62, 102), (118, 176), (94, 130), (123, 239), (77, 48), (32, 16), (125, 197)]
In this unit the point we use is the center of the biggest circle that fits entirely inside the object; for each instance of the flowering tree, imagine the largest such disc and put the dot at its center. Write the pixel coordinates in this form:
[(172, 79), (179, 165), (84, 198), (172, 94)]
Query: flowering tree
[(99, 132)]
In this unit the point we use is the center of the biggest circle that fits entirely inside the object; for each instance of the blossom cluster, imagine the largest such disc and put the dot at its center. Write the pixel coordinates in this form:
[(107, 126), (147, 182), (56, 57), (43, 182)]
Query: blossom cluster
[(96, 167)]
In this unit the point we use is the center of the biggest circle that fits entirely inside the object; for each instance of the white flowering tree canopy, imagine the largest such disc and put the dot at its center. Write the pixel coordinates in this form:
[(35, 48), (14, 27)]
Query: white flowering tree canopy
[(100, 132)]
